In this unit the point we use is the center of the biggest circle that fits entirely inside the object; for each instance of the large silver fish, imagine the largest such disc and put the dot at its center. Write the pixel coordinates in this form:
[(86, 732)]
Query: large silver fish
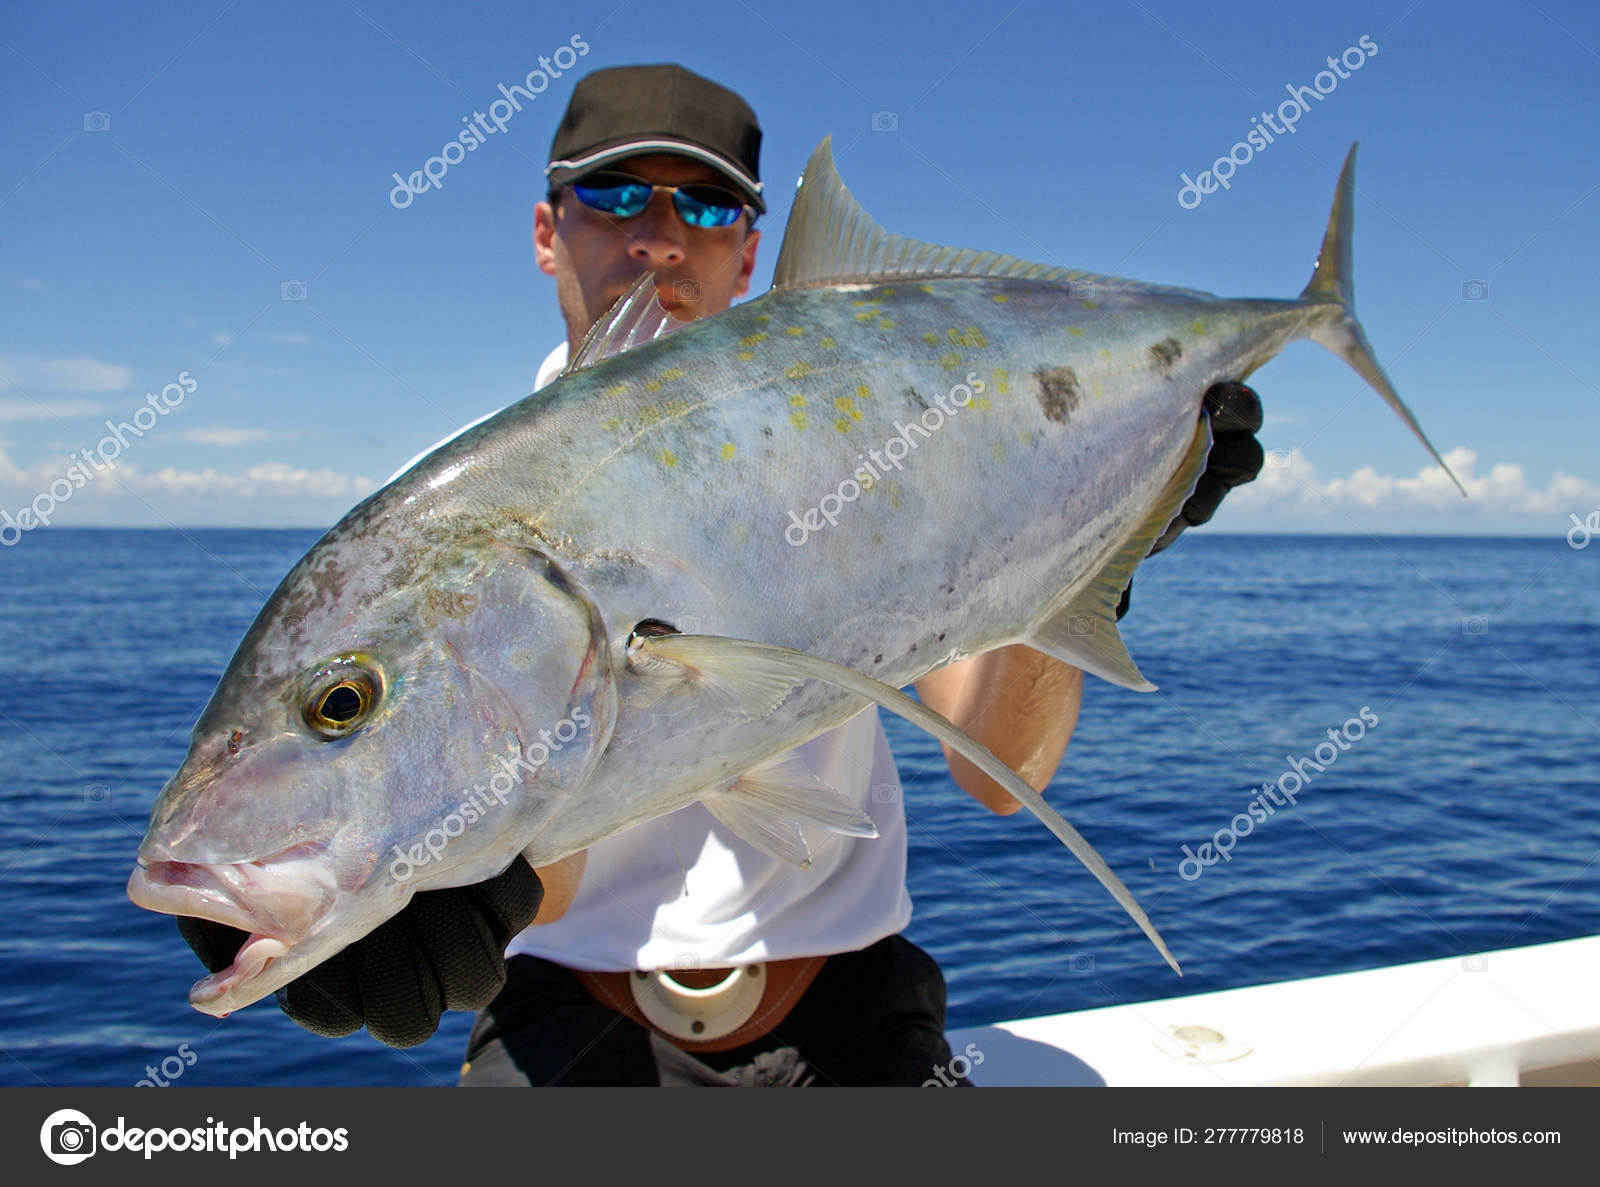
[(901, 456)]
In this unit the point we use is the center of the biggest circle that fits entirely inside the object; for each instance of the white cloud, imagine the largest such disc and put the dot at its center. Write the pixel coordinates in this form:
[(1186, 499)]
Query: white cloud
[(77, 373), (221, 435), (15, 410), (215, 490), (1297, 489)]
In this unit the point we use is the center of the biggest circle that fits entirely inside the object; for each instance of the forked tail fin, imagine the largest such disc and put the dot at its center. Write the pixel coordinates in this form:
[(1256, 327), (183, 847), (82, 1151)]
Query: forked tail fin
[(1333, 284)]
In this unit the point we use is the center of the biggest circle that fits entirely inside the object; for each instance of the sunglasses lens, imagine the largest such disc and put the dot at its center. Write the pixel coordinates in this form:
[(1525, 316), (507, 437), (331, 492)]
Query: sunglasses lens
[(708, 206), (624, 201)]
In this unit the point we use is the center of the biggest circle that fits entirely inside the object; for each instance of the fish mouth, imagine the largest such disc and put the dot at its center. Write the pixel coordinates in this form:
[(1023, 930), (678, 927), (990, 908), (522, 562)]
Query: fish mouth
[(276, 901)]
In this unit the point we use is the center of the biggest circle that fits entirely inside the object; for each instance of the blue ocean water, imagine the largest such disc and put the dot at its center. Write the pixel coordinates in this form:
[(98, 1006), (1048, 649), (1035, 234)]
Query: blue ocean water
[(1465, 819)]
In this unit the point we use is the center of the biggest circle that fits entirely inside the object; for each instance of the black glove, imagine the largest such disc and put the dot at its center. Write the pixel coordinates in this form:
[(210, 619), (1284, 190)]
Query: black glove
[(445, 951), (1235, 459)]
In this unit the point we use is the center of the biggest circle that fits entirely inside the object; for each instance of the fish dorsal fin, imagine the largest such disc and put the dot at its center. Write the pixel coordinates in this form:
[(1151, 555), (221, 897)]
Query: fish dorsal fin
[(1083, 630), (637, 317), (831, 240)]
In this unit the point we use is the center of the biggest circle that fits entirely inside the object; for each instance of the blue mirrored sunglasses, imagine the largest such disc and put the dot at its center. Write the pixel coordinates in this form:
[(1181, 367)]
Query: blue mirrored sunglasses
[(624, 196)]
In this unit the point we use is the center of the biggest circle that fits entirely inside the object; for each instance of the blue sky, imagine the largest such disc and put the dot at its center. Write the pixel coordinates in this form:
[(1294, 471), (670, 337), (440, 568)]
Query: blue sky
[(247, 147)]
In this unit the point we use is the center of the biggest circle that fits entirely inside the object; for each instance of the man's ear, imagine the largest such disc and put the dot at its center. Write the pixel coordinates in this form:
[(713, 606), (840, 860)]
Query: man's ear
[(747, 263), (544, 237)]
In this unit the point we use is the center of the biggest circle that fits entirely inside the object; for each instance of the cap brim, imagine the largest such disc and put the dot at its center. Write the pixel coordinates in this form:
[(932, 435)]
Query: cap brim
[(565, 172)]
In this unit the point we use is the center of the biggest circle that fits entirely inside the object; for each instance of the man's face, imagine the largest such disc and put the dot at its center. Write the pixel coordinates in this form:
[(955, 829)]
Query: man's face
[(596, 257)]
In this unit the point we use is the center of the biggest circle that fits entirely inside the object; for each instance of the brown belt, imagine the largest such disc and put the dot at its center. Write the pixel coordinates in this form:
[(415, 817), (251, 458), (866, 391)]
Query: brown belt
[(756, 1009)]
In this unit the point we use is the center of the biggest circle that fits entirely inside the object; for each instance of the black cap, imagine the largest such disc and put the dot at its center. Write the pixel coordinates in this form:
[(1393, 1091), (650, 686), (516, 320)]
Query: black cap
[(628, 110)]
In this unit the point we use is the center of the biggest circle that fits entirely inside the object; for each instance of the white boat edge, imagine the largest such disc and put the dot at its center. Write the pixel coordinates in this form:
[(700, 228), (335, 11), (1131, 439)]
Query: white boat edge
[(1517, 1016)]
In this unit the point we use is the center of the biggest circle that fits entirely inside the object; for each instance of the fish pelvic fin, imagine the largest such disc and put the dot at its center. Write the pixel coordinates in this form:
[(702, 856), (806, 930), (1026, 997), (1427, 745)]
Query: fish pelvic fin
[(1333, 283), (766, 806), (1082, 631), (800, 666)]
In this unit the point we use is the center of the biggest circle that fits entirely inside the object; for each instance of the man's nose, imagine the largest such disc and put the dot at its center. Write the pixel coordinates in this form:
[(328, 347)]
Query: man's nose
[(657, 234)]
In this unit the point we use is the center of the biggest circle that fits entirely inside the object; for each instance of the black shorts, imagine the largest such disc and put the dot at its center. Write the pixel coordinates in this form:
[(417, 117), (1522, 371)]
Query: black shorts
[(873, 1017)]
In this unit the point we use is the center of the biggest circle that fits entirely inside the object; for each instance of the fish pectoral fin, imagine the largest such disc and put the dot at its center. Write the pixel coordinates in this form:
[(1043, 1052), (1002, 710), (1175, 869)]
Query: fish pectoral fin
[(1082, 631), (747, 688), (766, 806), (801, 666), (637, 317)]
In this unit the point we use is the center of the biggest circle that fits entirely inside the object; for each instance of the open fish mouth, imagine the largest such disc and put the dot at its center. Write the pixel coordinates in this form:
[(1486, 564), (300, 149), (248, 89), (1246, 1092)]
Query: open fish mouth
[(276, 901)]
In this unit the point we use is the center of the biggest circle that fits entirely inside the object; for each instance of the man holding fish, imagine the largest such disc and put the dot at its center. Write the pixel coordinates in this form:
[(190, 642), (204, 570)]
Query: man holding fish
[(674, 952)]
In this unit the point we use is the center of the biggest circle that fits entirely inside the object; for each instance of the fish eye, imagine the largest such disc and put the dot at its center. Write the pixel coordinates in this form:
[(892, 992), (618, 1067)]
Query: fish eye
[(343, 694)]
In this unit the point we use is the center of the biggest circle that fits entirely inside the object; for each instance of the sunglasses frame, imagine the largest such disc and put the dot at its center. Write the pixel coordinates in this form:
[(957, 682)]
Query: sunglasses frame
[(686, 189)]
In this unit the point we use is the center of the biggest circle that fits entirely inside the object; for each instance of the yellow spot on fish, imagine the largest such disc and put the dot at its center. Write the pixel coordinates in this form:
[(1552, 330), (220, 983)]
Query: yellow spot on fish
[(981, 403), (1103, 353), (950, 361), (1026, 436), (795, 331), (848, 406), (887, 292), (755, 339), (931, 338), (867, 315), (1199, 327), (867, 301), (763, 318), (649, 414), (616, 389), (998, 451), (798, 370), (799, 420), (827, 344), (611, 425), (886, 323), (679, 407), (1075, 331), (798, 401), (667, 458), (1097, 388), (746, 355), (1002, 381), (652, 385), (672, 373), (842, 424), (728, 450), (927, 288), (740, 531), (863, 392), (971, 336), (1000, 298), (1091, 304)]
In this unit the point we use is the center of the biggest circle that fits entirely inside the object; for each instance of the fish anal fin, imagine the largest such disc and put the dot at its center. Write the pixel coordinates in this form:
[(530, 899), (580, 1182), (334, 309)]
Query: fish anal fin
[(1083, 630)]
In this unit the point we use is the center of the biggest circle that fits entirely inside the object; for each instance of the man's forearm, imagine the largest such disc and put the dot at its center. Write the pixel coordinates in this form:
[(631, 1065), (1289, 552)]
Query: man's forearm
[(560, 880), (1020, 703)]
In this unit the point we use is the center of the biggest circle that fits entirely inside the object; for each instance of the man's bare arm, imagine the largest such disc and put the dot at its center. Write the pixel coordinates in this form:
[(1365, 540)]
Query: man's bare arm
[(1020, 703), (560, 880)]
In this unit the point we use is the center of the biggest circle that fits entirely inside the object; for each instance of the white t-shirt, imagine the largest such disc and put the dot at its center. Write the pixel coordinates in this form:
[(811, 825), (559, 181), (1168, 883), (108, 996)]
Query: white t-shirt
[(684, 890)]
